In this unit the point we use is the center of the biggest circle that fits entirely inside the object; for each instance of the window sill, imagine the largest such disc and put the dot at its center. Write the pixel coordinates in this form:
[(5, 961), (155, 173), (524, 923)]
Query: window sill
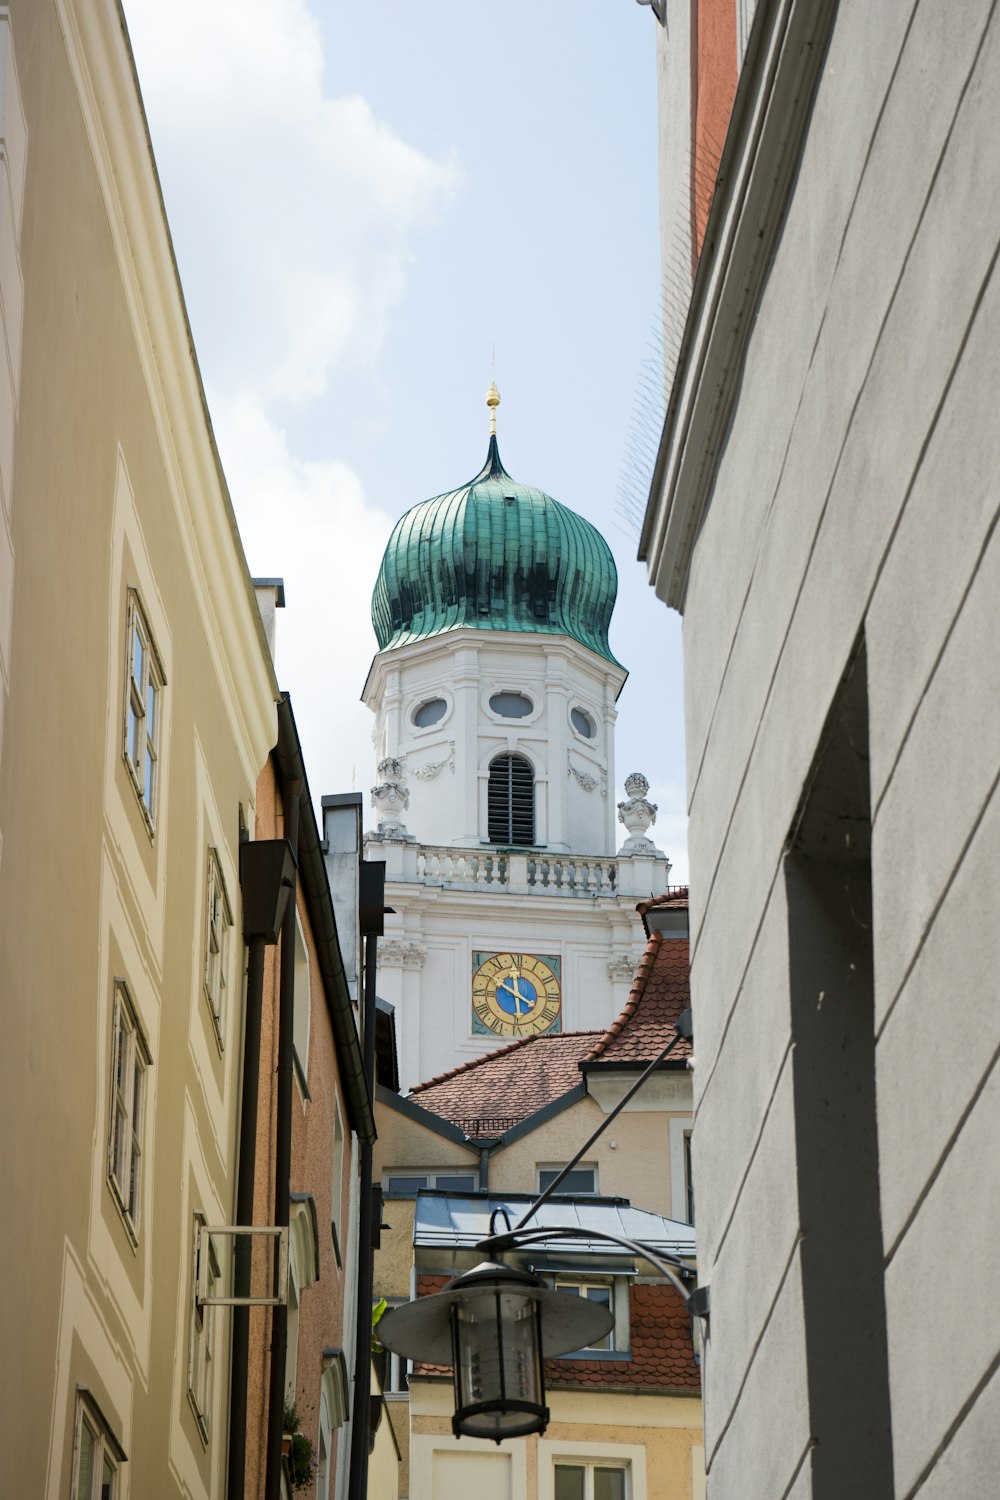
[(131, 1230), (612, 1356), (149, 821)]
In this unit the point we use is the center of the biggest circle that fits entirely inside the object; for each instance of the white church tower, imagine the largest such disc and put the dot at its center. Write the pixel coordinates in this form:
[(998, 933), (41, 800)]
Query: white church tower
[(494, 693)]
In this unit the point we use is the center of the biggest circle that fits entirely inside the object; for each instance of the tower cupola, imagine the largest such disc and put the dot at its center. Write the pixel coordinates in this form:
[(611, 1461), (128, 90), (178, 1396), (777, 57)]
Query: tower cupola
[(495, 555)]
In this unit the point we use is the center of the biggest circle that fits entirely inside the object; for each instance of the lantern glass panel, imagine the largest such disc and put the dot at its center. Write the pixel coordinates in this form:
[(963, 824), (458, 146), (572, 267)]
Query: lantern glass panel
[(498, 1373)]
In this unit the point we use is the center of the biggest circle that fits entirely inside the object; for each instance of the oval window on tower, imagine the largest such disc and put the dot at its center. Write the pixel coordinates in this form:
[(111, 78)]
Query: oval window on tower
[(582, 723), (430, 713), (511, 705)]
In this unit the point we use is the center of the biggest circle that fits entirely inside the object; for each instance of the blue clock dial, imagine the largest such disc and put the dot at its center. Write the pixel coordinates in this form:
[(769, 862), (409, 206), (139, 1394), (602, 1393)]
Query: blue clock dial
[(516, 995)]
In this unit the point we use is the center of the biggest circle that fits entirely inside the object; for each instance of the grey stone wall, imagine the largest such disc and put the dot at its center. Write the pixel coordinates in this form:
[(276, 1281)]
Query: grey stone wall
[(858, 490)]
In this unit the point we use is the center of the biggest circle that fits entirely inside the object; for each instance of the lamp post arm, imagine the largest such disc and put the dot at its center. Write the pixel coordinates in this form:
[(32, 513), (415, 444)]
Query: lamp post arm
[(520, 1239), (534, 1207)]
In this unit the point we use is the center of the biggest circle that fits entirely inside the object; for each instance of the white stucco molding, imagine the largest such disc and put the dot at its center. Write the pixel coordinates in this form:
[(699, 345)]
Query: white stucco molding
[(784, 59)]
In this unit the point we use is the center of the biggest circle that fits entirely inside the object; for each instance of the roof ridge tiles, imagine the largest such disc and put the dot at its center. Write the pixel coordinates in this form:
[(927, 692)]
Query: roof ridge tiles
[(635, 995), (487, 1057)]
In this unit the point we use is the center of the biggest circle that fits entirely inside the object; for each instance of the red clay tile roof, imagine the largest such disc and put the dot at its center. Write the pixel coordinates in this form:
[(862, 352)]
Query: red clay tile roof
[(660, 991), (491, 1094), (661, 1354), (673, 896)]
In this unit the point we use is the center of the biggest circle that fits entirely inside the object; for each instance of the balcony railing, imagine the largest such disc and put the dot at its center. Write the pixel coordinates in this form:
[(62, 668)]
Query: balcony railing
[(562, 874)]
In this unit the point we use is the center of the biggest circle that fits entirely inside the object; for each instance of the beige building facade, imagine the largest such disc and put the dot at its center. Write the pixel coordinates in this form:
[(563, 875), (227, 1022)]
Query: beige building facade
[(137, 707)]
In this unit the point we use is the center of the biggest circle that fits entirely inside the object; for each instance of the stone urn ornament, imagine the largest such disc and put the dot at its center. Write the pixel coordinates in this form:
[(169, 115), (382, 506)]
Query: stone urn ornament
[(390, 798), (638, 815)]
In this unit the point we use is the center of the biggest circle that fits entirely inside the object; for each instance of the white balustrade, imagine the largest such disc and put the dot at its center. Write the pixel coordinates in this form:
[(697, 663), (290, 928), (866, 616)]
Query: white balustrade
[(555, 874)]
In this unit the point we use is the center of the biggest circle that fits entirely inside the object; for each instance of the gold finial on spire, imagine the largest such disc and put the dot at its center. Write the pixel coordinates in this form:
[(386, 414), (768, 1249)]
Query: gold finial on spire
[(493, 401)]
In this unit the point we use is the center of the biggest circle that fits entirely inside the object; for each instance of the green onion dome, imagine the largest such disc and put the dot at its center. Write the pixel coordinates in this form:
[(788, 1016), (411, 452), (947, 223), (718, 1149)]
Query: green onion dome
[(495, 555)]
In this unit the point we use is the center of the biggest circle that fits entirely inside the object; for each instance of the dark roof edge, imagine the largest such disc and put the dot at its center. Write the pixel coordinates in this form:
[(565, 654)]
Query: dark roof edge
[(541, 1116), (421, 1116), (316, 887), (599, 1065)]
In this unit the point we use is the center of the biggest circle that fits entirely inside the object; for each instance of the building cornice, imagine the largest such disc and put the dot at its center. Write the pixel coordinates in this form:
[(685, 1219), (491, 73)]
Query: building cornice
[(763, 147), (561, 647), (97, 47)]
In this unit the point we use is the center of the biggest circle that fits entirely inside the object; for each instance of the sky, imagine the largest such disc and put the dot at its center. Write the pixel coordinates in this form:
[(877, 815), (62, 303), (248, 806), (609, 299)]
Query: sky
[(370, 203)]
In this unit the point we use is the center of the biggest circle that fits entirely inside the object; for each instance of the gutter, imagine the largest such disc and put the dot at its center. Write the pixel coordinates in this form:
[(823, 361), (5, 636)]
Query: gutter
[(316, 888)]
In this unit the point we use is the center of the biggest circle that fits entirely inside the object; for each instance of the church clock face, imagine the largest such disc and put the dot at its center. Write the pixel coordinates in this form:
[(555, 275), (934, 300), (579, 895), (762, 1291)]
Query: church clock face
[(516, 994)]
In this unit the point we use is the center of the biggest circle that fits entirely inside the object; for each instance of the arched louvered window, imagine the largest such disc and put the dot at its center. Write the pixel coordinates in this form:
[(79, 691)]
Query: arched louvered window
[(510, 801)]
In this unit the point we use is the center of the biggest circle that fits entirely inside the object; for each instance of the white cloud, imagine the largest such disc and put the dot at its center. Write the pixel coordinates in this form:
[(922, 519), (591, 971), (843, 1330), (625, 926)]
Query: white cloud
[(295, 216), (299, 210), (309, 523)]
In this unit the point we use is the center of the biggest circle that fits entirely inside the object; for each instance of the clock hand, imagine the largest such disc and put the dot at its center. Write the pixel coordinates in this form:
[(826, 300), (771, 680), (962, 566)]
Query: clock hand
[(519, 998), (510, 985)]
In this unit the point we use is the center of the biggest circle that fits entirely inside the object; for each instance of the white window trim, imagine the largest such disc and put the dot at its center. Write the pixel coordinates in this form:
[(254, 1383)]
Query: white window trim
[(436, 1178), (621, 1307), (106, 1446), (125, 1029), (630, 1456), (430, 697), (578, 1286), (137, 702), (680, 1126), (581, 1166), (201, 1334), (534, 693), (218, 924), (592, 741)]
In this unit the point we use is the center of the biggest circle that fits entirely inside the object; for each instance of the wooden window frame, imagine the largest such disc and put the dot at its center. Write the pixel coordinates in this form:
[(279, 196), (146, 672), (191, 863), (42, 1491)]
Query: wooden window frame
[(143, 709), (130, 1062)]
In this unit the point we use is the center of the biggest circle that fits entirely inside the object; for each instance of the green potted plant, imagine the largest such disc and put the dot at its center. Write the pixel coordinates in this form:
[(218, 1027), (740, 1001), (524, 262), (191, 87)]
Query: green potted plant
[(297, 1448)]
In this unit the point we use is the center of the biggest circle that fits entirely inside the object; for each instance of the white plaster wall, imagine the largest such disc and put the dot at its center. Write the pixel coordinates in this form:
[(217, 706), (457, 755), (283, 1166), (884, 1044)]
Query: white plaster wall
[(447, 764), (857, 486)]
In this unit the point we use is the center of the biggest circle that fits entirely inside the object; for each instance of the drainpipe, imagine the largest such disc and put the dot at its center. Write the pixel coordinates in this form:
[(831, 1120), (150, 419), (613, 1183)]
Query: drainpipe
[(290, 794), (372, 899), (266, 876)]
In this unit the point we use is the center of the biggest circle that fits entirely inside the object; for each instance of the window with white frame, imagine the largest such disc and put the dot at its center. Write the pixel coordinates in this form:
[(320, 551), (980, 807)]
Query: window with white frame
[(582, 1179), (584, 1480), (688, 1178), (97, 1454), (601, 1292), (129, 1061), (681, 1175), (200, 1338), (393, 1369), (218, 921), (408, 1184), (143, 703)]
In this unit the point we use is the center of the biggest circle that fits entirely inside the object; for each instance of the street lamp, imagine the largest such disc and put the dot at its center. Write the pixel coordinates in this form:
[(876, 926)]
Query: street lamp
[(491, 1325), (497, 1324)]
